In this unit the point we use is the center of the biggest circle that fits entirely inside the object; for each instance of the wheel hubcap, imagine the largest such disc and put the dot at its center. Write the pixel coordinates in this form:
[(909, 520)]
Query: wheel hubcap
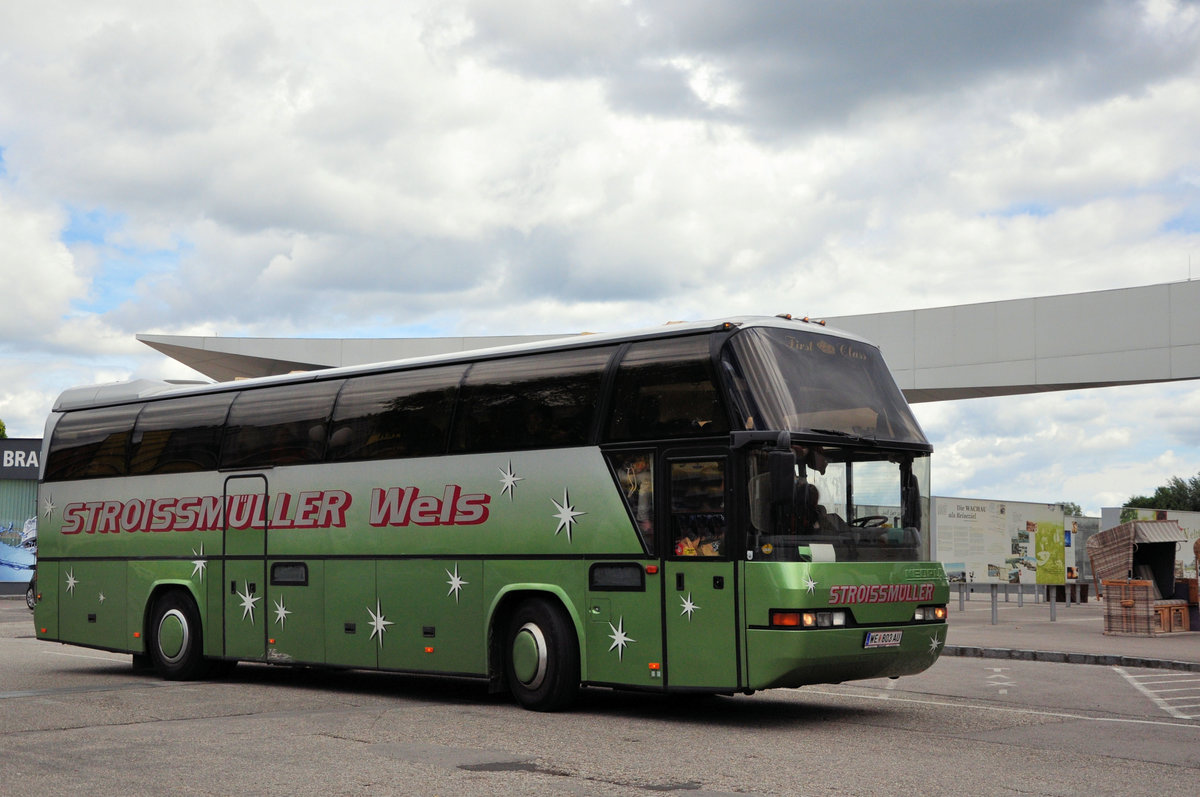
[(529, 656), (173, 635)]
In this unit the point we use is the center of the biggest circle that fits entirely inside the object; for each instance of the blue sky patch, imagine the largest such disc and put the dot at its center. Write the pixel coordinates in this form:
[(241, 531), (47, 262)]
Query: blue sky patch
[(91, 226), (119, 267), (1186, 222), (1038, 209)]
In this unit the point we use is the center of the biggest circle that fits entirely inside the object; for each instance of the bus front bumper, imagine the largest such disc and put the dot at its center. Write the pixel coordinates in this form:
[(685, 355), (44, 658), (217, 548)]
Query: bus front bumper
[(790, 658)]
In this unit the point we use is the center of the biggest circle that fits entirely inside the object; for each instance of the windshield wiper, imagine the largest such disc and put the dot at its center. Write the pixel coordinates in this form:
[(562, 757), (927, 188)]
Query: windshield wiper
[(847, 435)]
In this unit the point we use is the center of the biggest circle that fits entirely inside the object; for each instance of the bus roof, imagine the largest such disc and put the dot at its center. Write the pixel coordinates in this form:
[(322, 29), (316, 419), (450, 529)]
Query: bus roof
[(142, 389)]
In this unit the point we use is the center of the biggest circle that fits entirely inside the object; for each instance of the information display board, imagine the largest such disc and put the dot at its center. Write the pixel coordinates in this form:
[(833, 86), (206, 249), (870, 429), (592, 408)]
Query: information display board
[(1005, 542)]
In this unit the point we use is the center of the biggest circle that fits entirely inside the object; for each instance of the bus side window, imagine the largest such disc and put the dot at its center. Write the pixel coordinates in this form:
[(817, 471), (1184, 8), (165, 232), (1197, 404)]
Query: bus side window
[(399, 414), (180, 435), (91, 444), (698, 507), (539, 401), (284, 425), (665, 388), (634, 472)]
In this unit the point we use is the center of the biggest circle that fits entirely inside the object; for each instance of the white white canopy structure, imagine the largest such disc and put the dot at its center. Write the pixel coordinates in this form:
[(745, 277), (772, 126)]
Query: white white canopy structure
[(1103, 338)]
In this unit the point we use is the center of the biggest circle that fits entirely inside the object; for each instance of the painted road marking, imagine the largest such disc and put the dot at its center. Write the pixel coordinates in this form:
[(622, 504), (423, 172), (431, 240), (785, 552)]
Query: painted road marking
[(998, 680), (1178, 694)]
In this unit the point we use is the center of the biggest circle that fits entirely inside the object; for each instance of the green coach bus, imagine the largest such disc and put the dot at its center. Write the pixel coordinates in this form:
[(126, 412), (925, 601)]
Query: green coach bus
[(711, 507)]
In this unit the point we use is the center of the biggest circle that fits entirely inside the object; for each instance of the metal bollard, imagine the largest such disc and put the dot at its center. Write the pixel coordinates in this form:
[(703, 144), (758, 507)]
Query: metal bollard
[(995, 607), (962, 596), (1020, 595), (1053, 604)]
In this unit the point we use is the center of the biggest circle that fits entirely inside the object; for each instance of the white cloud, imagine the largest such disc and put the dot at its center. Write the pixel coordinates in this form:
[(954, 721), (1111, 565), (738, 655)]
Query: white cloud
[(40, 275)]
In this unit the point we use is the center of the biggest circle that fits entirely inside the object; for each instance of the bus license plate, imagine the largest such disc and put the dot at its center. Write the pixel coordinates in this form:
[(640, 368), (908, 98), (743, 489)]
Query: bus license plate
[(883, 639)]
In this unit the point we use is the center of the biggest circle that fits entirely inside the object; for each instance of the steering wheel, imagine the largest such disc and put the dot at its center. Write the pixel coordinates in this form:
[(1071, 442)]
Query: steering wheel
[(869, 521)]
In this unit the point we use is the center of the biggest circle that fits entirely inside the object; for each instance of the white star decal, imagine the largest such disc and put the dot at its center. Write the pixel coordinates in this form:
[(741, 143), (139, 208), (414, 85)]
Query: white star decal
[(281, 613), (934, 644), (456, 583), (200, 563), (509, 481), (248, 603), (566, 515), (48, 507), (688, 607), (72, 582), (378, 624), (809, 584), (620, 638), (102, 597)]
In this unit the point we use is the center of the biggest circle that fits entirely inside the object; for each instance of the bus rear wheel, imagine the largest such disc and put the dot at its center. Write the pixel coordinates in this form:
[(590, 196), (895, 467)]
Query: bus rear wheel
[(541, 657), (175, 643)]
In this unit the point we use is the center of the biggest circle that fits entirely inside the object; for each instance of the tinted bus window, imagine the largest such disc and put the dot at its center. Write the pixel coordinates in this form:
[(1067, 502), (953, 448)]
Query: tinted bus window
[(179, 435), (403, 414), (282, 425), (530, 402), (91, 444), (665, 388)]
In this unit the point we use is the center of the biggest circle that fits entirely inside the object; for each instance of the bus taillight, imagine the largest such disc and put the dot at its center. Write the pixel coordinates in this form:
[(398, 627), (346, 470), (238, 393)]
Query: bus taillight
[(930, 614), (786, 618)]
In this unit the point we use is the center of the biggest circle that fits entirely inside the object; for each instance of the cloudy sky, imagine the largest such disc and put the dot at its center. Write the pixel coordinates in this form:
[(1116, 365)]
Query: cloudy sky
[(459, 167)]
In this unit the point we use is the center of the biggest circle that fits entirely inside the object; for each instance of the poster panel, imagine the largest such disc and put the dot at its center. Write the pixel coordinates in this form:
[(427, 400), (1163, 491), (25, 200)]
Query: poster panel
[(1007, 542), (1077, 532)]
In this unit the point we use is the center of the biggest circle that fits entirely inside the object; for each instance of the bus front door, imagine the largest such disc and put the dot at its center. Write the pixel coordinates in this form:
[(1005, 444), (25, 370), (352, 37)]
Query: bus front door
[(699, 584), (244, 584)]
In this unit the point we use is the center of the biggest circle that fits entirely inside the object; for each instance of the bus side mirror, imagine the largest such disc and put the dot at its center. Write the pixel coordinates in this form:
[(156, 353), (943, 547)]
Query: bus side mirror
[(782, 467)]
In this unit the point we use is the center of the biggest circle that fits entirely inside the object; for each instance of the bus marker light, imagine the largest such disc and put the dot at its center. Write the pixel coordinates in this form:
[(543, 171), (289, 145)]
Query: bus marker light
[(651, 569), (137, 634), (270, 641), (428, 650), (786, 619), (654, 665), (930, 614)]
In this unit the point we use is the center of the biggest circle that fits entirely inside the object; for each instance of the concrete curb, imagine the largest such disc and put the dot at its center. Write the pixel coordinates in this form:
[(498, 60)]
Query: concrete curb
[(1104, 660)]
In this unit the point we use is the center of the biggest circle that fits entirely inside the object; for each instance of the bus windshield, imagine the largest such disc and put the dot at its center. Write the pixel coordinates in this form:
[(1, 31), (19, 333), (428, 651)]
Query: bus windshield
[(814, 383), (846, 505)]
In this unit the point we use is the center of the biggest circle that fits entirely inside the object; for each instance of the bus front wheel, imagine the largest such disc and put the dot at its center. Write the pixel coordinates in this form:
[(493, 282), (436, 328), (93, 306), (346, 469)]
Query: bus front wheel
[(541, 658), (175, 644)]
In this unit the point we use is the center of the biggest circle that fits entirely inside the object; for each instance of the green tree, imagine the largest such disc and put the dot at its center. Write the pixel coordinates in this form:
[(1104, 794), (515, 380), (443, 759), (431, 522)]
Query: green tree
[(1071, 509), (3, 431), (1179, 494)]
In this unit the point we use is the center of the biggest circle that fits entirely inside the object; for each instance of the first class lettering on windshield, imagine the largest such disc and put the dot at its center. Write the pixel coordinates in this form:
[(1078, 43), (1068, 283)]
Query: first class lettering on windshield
[(316, 509)]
